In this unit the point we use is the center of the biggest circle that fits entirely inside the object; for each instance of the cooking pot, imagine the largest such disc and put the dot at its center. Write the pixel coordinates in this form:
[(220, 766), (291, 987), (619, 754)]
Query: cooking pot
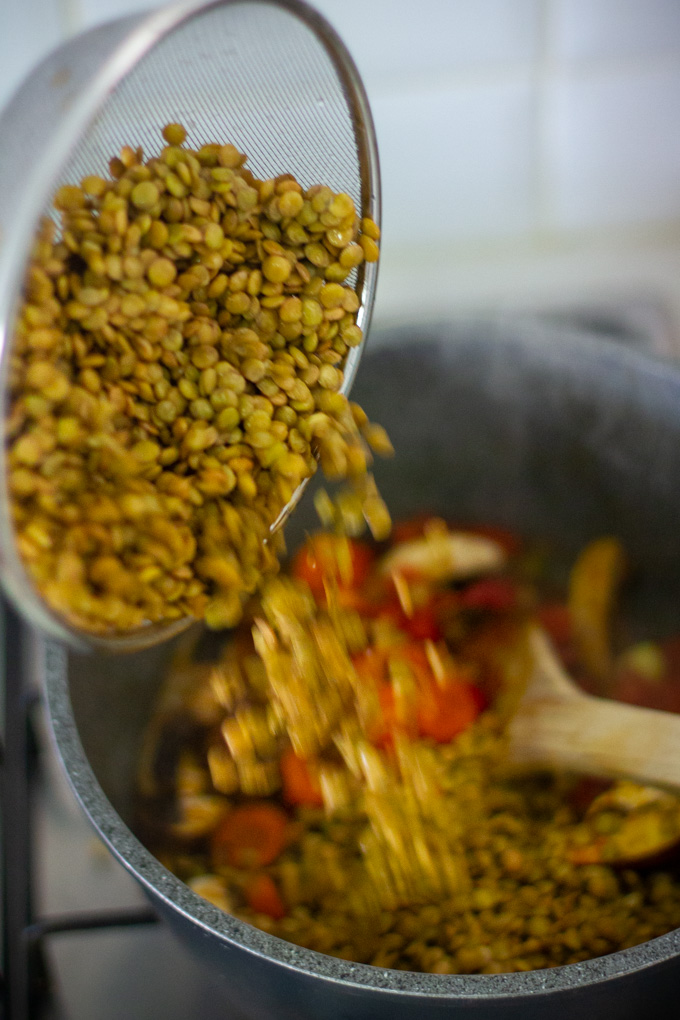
[(543, 430)]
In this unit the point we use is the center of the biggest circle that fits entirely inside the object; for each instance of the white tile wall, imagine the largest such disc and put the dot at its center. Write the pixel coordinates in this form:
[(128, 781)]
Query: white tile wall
[(515, 132), (29, 29), (393, 41), (614, 147), (600, 29), (93, 12), (396, 43), (457, 162)]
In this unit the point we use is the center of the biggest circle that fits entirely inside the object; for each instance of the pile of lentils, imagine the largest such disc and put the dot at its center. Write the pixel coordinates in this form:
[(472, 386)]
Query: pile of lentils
[(527, 906), (174, 376)]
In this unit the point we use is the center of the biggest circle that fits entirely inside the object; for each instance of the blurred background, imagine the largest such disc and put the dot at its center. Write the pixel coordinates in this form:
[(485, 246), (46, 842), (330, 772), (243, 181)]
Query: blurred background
[(530, 149)]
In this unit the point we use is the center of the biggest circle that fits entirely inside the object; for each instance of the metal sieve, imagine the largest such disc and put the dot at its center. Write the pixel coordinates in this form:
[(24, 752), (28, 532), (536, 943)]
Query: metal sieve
[(270, 76)]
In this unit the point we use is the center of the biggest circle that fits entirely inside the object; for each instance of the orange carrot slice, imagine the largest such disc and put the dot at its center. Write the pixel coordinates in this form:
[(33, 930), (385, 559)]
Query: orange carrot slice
[(251, 836), (262, 896)]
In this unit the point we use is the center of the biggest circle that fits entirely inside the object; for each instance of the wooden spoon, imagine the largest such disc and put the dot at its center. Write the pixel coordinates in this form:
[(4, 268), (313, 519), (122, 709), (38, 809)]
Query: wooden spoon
[(556, 724)]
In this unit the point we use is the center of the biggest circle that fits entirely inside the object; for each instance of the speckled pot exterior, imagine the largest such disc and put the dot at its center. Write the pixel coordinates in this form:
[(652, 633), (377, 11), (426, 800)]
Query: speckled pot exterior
[(526, 426)]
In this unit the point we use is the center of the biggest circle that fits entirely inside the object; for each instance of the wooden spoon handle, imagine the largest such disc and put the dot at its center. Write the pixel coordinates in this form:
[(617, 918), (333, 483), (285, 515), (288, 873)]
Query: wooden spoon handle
[(598, 737)]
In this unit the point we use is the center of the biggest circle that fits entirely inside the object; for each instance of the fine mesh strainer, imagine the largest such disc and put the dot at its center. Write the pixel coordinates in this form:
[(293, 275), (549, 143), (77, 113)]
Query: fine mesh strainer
[(269, 76)]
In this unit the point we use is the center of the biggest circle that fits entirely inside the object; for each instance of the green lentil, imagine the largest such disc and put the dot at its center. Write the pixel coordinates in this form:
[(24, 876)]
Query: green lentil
[(125, 373)]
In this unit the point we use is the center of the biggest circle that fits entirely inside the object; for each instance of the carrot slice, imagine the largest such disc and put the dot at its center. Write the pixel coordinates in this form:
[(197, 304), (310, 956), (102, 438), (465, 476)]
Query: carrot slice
[(262, 896), (251, 836), (300, 785)]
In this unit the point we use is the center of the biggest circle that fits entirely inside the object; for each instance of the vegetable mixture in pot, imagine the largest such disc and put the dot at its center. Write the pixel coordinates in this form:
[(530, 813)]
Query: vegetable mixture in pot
[(337, 776)]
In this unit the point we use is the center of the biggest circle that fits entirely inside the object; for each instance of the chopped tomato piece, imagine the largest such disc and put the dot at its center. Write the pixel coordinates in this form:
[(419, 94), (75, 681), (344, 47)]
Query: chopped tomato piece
[(262, 896), (492, 594), (300, 785), (423, 624), (251, 836), (320, 556), (444, 712)]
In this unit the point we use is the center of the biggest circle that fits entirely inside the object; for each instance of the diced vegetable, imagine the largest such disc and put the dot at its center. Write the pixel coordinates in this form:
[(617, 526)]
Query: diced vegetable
[(198, 815), (444, 556), (263, 897), (211, 888), (423, 625), (403, 797), (593, 587), (251, 836), (445, 711), (300, 785), (342, 559)]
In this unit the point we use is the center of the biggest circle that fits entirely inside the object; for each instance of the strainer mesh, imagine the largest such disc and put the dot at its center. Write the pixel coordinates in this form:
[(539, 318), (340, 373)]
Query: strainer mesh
[(249, 73)]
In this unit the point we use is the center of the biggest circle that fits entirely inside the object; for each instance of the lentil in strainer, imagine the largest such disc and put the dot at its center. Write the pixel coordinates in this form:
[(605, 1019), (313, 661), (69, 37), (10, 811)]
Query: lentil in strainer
[(174, 376)]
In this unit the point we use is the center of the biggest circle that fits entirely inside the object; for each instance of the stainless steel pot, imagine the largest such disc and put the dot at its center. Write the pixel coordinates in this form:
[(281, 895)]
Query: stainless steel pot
[(542, 430)]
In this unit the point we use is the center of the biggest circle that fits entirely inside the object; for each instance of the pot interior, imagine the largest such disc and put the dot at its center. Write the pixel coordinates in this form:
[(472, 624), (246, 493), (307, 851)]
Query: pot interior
[(548, 433)]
